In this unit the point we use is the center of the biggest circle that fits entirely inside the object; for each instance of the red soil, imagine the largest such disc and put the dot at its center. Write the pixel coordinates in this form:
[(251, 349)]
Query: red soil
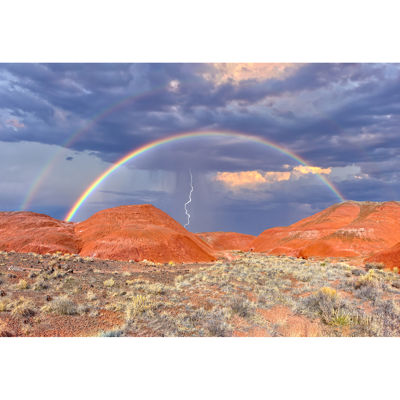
[(140, 232), (227, 240), (349, 229), (290, 325), (31, 232), (390, 257)]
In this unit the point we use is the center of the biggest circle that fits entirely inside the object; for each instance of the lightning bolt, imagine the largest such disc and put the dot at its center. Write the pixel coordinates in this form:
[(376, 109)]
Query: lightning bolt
[(190, 199)]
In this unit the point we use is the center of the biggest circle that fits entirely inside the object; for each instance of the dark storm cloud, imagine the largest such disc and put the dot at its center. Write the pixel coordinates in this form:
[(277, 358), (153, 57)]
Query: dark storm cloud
[(359, 97)]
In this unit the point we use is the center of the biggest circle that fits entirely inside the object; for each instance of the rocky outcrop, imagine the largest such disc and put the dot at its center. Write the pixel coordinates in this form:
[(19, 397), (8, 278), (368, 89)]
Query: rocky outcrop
[(349, 229), (31, 232)]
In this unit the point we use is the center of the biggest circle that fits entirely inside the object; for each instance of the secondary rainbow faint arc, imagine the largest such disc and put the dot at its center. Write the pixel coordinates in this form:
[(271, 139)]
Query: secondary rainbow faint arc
[(187, 135), (75, 136)]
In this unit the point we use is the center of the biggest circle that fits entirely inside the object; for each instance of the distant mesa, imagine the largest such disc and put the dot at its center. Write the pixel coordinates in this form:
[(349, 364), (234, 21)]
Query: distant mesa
[(349, 229), (221, 241)]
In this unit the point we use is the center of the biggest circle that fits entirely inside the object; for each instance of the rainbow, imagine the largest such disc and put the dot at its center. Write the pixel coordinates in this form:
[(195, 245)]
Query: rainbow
[(181, 136), (44, 173)]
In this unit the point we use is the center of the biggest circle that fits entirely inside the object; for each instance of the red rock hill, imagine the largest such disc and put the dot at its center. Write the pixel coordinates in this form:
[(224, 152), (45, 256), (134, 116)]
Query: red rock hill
[(31, 232), (140, 232), (389, 257), (227, 240), (343, 230)]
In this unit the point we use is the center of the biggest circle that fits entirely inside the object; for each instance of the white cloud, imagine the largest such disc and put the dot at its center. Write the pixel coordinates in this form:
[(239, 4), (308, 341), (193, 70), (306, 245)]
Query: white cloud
[(174, 85), (237, 72), (256, 179)]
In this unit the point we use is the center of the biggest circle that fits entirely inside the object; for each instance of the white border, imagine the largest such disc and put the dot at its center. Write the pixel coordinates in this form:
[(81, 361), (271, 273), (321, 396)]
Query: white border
[(206, 31), (183, 31)]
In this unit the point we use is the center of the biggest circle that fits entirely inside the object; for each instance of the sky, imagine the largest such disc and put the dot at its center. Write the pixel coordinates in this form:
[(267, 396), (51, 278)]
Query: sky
[(62, 125)]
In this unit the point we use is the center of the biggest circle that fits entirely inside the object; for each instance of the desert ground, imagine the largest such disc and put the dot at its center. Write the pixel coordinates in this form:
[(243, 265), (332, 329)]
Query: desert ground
[(242, 294), (135, 271)]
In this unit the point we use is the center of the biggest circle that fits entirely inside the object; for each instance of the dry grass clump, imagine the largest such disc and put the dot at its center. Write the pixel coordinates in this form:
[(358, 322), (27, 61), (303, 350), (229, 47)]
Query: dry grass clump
[(22, 284), (3, 305), (40, 284), (217, 325), (337, 312), (91, 295), (371, 279), (340, 317), (112, 333), (327, 305), (109, 282), (58, 274), (22, 307), (52, 263), (116, 306), (190, 321), (62, 306), (374, 265), (138, 306), (150, 288), (83, 309), (368, 292), (156, 288), (387, 317), (240, 306), (328, 291)]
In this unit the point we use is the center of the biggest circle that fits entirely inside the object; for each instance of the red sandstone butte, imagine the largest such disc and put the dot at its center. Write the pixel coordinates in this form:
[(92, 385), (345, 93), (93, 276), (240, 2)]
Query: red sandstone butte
[(389, 257), (348, 229), (26, 232), (138, 232), (220, 241)]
